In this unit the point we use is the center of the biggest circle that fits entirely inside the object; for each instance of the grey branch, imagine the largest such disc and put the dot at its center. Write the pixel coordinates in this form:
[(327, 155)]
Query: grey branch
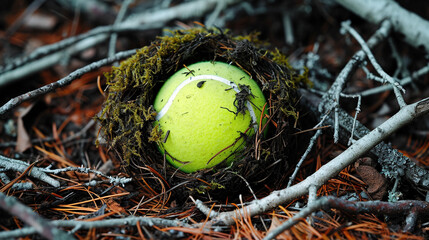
[(413, 27), (402, 82), (27, 215), (386, 77), (394, 164), (114, 180), (20, 166), (331, 98), (407, 208), (332, 168), (14, 102), (149, 19), (7, 73), (16, 186), (128, 221), (311, 208)]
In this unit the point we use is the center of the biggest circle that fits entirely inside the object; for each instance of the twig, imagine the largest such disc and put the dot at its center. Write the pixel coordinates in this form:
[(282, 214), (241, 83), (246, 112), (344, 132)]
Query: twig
[(20, 166), (23, 174), (119, 17), (48, 61), (312, 197), (332, 168), (27, 215), (16, 186), (14, 102), (247, 184), (311, 208), (371, 76), (396, 87), (393, 194), (413, 27), (127, 221), (304, 156), (251, 191), (204, 209), (114, 180), (210, 22), (331, 98), (403, 82), (185, 10), (352, 132), (307, 151), (394, 164), (411, 208), (61, 45), (148, 20)]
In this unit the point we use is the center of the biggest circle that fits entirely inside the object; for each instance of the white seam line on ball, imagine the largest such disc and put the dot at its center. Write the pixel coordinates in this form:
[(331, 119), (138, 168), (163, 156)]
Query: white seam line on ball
[(201, 77)]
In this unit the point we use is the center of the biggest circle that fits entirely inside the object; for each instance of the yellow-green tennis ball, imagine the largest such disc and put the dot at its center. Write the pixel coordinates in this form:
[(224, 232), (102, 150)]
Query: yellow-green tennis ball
[(205, 112)]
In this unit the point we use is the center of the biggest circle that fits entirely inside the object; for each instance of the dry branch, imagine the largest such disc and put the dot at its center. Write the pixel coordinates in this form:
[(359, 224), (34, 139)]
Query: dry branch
[(77, 225), (332, 168), (413, 27), (27, 215), (14, 102), (20, 166), (148, 20), (394, 164), (401, 208)]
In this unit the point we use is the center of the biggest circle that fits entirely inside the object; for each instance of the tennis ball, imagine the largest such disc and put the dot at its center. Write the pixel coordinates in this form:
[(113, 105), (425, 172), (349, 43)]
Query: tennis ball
[(206, 112)]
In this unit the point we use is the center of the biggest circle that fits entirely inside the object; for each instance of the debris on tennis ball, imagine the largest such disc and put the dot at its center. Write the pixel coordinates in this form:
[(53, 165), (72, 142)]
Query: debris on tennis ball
[(184, 143), (206, 112)]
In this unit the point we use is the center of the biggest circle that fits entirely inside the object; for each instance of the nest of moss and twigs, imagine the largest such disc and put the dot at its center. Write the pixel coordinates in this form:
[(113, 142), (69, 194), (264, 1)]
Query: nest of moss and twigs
[(127, 118)]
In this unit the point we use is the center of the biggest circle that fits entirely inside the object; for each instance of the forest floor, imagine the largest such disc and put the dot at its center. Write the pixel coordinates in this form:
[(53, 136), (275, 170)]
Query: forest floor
[(71, 184)]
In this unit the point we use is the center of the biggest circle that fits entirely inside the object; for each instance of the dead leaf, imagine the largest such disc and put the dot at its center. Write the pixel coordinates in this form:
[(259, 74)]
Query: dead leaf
[(23, 141), (275, 223), (377, 184), (115, 206)]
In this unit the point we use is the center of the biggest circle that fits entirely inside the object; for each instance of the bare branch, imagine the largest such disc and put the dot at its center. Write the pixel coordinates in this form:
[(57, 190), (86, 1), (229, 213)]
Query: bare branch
[(114, 180), (127, 221), (404, 81), (331, 98), (148, 20), (27, 215), (411, 209), (20, 166), (119, 17), (14, 102), (394, 164), (413, 27), (332, 168), (386, 77), (40, 52)]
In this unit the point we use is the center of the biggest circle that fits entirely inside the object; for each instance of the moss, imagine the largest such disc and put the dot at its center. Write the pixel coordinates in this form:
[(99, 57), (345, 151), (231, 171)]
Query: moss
[(204, 188), (127, 116)]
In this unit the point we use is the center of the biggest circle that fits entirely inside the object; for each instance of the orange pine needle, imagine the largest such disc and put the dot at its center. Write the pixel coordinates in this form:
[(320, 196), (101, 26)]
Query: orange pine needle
[(200, 24), (157, 174), (5, 187), (38, 133), (99, 198), (55, 157), (139, 229), (99, 86)]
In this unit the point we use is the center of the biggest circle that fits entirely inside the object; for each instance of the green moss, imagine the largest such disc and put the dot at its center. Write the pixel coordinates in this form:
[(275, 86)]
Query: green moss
[(203, 189)]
